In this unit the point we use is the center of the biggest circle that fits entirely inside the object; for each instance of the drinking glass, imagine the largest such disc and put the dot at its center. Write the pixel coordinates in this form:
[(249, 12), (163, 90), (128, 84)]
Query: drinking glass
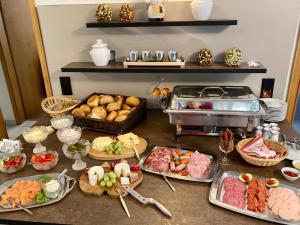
[(226, 149)]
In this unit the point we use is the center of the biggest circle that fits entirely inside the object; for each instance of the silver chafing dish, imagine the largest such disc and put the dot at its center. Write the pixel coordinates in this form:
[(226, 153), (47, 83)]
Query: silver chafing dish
[(204, 110)]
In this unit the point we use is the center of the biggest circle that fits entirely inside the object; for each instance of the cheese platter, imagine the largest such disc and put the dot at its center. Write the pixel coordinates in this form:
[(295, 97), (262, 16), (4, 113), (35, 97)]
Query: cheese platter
[(117, 147), (259, 197), (108, 177), (180, 164)]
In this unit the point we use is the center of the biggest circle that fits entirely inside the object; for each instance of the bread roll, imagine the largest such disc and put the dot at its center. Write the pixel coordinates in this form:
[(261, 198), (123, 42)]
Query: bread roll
[(126, 107), (132, 101), (121, 118), (124, 112), (78, 112), (106, 99), (114, 106), (93, 101), (119, 99), (100, 111), (87, 110), (111, 116)]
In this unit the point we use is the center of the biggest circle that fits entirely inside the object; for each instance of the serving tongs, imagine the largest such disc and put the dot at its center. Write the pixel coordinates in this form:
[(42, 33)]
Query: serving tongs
[(147, 201), (13, 202), (122, 201), (168, 182)]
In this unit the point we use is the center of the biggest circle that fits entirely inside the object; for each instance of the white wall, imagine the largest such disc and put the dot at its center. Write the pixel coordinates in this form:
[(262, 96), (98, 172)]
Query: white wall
[(265, 32), (5, 103)]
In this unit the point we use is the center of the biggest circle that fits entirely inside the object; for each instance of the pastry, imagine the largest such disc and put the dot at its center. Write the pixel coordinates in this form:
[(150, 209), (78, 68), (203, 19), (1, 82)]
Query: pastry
[(132, 101), (124, 112), (125, 106), (106, 99), (87, 110), (121, 118), (100, 112), (78, 112), (111, 116), (93, 101), (132, 109), (114, 106)]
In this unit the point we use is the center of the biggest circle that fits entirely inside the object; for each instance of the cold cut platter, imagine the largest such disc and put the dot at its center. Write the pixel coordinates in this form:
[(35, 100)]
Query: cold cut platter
[(180, 164), (32, 191), (263, 198)]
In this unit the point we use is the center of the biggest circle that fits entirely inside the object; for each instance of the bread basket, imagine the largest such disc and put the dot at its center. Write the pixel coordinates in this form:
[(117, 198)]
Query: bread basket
[(277, 147), (58, 105)]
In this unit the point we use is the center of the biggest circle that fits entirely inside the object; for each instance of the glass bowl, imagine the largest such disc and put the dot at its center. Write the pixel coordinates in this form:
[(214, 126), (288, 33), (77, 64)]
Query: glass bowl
[(10, 147), (41, 164), (36, 135), (69, 136), (62, 122), (12, 164)]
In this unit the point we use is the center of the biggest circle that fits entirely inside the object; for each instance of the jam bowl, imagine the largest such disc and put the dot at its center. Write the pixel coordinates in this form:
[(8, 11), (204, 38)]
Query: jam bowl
[(12, 164), (290, 173), (45, 160)]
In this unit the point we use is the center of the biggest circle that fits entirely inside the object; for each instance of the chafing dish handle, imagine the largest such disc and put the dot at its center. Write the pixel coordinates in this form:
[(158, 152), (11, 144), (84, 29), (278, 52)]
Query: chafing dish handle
[(264, 105), (207, 88)]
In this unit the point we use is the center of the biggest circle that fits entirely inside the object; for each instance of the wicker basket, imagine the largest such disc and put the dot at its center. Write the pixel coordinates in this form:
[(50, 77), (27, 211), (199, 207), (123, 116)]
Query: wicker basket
[(277, 147), (58, 105)]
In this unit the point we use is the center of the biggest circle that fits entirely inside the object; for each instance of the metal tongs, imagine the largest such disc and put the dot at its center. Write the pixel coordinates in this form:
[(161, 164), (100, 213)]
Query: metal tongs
[(146, 201)]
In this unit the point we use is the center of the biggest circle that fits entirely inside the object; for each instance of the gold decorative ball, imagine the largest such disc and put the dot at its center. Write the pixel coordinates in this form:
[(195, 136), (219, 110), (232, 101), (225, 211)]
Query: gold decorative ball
[(204, 57), (126, 13), (233, 57), (103, 13)]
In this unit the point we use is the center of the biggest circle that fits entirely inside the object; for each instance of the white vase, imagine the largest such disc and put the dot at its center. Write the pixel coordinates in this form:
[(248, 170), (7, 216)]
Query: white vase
[(201, 9), (100, 53)]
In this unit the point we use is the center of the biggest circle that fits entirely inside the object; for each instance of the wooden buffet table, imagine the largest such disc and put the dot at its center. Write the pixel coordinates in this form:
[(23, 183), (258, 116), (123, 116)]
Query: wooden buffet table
[(189, 204)]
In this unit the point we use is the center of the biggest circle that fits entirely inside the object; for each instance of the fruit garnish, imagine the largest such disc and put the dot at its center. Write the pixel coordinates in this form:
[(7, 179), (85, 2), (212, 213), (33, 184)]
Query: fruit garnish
[(135, 167), (86, 170), (245, 177), (156, 91), (272, 183)]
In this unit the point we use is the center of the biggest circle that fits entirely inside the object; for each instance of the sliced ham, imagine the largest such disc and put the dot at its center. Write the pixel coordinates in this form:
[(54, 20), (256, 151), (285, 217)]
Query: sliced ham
[(234, 192), (198, 165), (159, 159)]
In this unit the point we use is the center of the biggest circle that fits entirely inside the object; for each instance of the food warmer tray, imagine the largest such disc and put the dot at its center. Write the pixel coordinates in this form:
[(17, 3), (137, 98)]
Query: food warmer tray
[(216, 193), (213, 107), (66, 182), (209, 178)]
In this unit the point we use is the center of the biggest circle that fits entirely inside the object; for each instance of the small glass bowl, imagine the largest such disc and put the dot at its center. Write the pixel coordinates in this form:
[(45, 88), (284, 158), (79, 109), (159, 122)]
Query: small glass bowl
[(36, 135), (69, 136), (13, 169), (10, 147), (62, 122), (46, 165)]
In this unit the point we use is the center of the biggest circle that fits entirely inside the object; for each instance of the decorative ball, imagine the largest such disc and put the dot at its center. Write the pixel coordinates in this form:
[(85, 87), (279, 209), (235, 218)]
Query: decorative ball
[(233, 57), (126, 13), (103, 13), (205, 57)]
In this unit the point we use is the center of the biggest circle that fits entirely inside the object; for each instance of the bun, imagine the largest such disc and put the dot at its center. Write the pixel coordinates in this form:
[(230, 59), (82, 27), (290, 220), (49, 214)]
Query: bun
[(78, 112), (100, 112), (132, 101), (93, 101), (114, 106), (123, 112), (106, 99), (111, 116), (87, 110), (121, 118), (126, 107)]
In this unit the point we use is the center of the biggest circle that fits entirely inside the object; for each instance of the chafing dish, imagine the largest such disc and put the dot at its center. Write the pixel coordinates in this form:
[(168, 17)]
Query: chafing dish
[(205, 110)]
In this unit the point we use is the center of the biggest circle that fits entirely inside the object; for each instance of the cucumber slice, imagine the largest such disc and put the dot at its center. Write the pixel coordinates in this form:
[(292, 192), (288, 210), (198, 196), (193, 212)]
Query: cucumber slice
[(272, 183), (245, 177)]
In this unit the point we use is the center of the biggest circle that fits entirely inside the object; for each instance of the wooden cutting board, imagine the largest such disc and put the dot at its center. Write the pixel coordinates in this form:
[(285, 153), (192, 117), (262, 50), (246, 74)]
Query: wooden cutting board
[(98, 190), (128, 152)]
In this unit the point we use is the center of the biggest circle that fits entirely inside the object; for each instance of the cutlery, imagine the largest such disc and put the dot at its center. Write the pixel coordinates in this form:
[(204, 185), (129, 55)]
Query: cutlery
[(146, 201), (168, 182), (122, 201), (13, 202), (61, 174)]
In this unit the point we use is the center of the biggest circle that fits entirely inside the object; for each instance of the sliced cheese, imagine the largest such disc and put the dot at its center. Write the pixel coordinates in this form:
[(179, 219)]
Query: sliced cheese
[(125, 181), (128, 138), (99, 144)]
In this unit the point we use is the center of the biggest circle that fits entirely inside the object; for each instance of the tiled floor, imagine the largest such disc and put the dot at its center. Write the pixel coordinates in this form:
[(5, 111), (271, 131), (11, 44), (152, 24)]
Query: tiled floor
[(16, 130)]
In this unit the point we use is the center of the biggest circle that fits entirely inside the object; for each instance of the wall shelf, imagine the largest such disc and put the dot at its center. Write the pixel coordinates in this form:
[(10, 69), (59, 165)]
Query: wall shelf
[(215, 22), (117, 67)]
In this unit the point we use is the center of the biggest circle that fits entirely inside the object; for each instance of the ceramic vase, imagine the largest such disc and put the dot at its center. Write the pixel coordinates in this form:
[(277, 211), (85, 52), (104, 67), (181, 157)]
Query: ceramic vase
[(201, 9)]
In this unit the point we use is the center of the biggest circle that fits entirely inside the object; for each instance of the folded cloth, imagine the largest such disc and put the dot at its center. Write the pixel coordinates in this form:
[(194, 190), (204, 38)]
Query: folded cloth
[(258, 148)]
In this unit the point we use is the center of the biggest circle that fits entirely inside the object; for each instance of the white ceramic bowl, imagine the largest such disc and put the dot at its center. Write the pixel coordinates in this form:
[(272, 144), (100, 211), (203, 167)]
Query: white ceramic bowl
[(296, 162), (292, 170)]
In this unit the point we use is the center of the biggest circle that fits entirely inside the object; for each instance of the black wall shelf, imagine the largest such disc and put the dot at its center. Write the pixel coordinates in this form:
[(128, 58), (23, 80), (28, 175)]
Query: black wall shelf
[(89, 67), (220, 22)]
